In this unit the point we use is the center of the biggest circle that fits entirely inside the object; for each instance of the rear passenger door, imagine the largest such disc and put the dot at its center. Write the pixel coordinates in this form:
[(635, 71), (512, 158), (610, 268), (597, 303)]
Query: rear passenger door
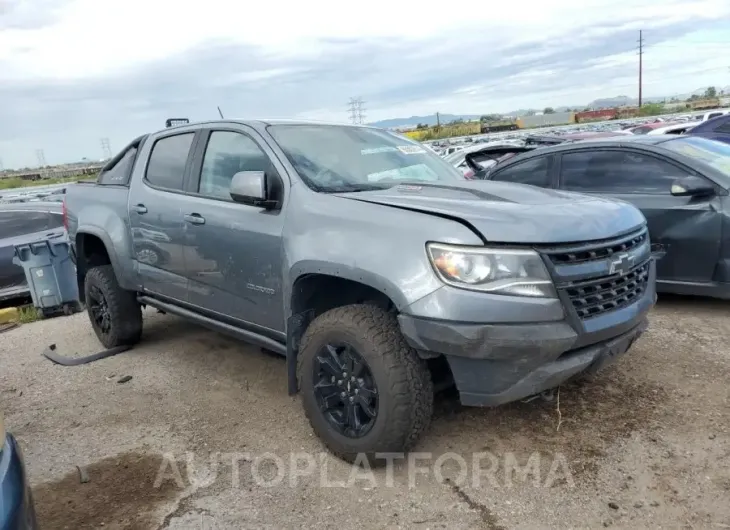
[(233, 251), (688, 227), (155, 213), (536, 171)]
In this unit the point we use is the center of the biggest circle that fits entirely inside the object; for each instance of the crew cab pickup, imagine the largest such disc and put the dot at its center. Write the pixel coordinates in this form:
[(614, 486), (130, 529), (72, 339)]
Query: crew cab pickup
[(369, 262)]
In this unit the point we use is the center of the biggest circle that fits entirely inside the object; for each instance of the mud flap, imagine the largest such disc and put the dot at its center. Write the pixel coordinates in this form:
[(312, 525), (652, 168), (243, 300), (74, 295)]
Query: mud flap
[(295, 326)]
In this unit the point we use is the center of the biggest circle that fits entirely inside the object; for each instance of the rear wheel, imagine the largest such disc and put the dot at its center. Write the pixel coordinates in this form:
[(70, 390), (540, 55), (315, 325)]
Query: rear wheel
[(364, 390), (115, 314)]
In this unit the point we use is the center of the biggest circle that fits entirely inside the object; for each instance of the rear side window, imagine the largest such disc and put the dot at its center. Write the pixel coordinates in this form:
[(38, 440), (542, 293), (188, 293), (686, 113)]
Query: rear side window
[(534, 172), (168, 159), (120, 172), (16, 223)]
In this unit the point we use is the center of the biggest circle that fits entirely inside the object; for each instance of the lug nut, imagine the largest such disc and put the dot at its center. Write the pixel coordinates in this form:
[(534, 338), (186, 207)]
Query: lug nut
[(352, 378), (342, 394), (333, 379), (352, 399), (357, 391), (339, 382)]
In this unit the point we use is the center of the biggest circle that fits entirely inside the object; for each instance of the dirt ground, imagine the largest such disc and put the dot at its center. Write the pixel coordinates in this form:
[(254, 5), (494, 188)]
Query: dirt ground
[(204, 436)]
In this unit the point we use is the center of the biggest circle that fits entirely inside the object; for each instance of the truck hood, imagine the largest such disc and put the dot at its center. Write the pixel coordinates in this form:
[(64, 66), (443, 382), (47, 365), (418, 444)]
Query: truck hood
[(513, 213)]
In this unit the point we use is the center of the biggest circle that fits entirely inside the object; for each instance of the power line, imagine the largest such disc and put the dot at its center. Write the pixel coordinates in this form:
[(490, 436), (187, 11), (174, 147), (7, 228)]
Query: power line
[(106, 148), (641, 62)]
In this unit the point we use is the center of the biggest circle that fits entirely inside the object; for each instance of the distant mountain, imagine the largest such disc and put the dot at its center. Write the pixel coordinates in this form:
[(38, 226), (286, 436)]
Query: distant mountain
[(600, 103), (427, 120)]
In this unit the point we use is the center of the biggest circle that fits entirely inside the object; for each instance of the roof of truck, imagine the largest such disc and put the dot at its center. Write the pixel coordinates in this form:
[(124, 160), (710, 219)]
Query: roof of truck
[(265, 122)]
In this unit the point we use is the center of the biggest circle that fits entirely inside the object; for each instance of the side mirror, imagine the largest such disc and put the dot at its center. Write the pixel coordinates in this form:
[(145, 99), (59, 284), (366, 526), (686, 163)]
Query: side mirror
[(692, 187), (249, 187)]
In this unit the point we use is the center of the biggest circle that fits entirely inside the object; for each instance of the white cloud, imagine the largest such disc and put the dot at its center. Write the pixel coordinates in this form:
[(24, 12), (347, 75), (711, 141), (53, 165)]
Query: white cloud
[(83, 69)]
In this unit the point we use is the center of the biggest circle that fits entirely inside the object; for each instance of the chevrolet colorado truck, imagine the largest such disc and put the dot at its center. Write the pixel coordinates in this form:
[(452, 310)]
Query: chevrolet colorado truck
[(369, 262)]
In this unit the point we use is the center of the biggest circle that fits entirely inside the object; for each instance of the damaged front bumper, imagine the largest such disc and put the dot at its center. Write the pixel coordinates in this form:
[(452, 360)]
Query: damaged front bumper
[(497, 363)]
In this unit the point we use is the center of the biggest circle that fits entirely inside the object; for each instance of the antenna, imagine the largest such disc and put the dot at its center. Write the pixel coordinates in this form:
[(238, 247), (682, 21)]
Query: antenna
[(221, 114)]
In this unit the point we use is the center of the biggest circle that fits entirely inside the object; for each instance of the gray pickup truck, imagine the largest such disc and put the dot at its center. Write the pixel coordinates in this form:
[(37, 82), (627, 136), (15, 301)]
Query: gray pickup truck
[(370, 263)]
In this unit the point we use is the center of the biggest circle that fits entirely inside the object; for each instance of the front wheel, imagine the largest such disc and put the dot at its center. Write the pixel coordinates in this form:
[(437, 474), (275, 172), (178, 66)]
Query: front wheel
[(364, 390), (115, 314)]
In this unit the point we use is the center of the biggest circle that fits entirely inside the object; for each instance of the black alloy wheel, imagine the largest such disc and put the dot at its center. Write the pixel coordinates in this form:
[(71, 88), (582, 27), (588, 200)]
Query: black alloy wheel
[(99, 309), (345, 389)]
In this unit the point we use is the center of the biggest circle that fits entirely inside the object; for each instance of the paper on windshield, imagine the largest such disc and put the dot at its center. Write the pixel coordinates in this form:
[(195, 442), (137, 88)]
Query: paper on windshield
[(411, 149), (416, 172)]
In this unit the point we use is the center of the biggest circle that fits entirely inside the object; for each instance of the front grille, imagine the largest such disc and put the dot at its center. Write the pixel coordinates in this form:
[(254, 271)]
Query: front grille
[(596, 250), (594, 297)]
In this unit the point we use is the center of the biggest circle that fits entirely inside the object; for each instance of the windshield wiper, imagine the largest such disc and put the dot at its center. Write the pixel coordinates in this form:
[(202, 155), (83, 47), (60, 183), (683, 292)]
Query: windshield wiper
[(344, 188)]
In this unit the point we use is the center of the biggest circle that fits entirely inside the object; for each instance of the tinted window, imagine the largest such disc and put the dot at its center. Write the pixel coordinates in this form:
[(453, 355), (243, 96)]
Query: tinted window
[(166, 167), (534, 172), (641, 130), (228, 153), (713, 115), (724, 127), (22, 222), (618, 172), (120, 172)]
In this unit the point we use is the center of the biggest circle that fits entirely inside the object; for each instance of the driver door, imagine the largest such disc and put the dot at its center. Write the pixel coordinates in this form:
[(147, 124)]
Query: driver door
[(233, 252)]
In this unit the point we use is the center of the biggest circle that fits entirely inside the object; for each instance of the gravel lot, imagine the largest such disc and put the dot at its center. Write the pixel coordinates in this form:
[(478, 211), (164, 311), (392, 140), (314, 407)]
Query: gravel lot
[(644, 444)]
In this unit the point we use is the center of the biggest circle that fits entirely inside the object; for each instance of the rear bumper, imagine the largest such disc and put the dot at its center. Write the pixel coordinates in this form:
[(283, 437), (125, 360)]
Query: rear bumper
[(16, 502)]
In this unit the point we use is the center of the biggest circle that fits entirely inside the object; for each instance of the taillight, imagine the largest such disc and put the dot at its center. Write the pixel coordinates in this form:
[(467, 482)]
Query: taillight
[(469, 174), (64, 213)]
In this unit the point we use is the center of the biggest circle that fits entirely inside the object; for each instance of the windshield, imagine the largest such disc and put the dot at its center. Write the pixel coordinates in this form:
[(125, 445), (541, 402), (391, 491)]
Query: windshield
[(711, 152), (332, 158)]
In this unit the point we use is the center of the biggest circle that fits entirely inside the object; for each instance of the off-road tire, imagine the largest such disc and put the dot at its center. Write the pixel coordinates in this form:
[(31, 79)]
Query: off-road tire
[(124, 310), (405, 389)]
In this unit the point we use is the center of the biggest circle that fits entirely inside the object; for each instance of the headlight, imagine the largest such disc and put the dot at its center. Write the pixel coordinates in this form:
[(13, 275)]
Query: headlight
[(493, 270)]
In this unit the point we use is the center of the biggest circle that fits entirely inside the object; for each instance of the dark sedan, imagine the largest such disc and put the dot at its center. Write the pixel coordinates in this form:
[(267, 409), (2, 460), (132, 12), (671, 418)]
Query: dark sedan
[(16, 501), (717, 128), (680, 183), (21, 223)]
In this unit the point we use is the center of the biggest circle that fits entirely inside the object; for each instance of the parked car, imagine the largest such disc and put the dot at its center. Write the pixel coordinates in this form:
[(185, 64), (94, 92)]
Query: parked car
[(369, 262), (21, 223), (646, 128), (714, 114), (680, 183), (458, 158), (714, 129), (674, 128), (17, 511)]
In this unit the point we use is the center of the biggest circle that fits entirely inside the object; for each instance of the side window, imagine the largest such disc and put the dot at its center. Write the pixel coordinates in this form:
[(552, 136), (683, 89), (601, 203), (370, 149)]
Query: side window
[(22, 222), (120, 172), (226, 154), (617, 172), (535, 172), (724, 127), (166, 167)]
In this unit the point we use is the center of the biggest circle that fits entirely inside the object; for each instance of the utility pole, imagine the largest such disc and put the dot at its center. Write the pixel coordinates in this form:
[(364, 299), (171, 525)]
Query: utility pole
[(641, 63), (106, 148), (41, 157), (438, 121)]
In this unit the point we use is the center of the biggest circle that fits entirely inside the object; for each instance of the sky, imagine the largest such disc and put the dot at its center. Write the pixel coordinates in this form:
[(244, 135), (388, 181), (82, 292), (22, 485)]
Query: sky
[(73, 72)]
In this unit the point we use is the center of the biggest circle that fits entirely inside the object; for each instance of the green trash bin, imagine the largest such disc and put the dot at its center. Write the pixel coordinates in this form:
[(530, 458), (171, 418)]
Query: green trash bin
[(51, 275)]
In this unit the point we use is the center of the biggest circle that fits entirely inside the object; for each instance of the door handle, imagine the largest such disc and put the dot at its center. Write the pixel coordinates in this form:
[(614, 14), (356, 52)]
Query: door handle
[(194, 219), (140, 208)]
